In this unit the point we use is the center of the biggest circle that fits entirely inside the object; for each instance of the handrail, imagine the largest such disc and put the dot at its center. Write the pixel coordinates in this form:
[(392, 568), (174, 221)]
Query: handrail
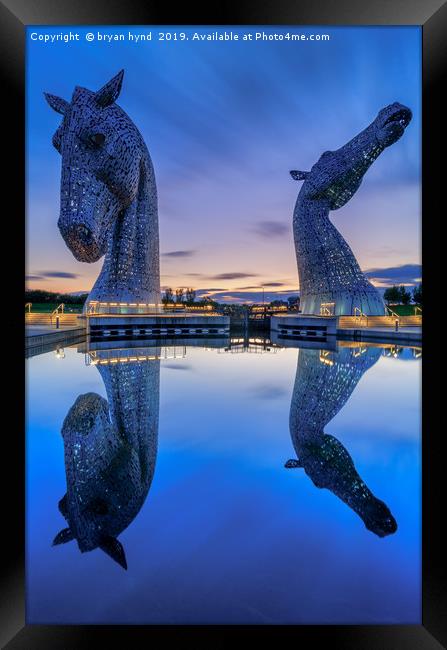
[(359, 314), (416, 307), (327, 309), (56, 311), (100, 308), (29, 305), (393, 313)]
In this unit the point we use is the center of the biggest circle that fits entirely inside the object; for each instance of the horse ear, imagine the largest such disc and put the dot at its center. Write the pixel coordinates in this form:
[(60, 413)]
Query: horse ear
[(110, 92), (57, 103), (114, 549), (63, 537), (298, 176)]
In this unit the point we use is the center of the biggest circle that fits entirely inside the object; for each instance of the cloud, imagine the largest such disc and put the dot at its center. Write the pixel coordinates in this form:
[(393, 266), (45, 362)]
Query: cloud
[(260, 286), (232, 276), (270, 229), (213, 289), (60, 274), (188, 253), (245, 288), (235, 296), (177, 366), (267, 391), (34, 277), (228, 298), (406, 274)]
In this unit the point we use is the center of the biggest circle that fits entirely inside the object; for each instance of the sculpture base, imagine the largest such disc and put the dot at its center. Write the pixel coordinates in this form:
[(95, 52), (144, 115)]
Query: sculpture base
[(344, 303), (303, 327), (324, 329), (134, 326)]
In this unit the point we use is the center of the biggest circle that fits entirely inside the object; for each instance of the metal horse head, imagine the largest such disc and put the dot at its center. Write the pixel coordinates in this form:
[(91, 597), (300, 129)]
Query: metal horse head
[(108, 194), (324, 383), (328, 271), (110, 450), (100, 166), (337, 175)]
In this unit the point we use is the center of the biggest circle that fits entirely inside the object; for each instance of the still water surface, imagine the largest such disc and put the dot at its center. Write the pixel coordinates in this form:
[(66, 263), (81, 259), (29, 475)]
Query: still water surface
[(257, 486)]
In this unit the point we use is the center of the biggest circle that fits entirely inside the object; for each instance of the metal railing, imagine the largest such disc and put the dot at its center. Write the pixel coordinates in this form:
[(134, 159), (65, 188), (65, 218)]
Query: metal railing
[(56, 312), (327, 309), (392, 313), (29, 305), (360, 317), (112, 356), (95, 308)]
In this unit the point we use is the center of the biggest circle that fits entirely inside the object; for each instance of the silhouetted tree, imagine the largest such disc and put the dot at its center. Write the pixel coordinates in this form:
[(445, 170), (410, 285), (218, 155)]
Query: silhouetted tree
[(405, 296), (190, 295), (392, 294), (168, 296), (417, 294), (293, 302), (41, 296)]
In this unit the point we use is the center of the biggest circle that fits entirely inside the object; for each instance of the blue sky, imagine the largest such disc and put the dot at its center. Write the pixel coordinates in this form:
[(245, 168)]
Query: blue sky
[(224, 123)]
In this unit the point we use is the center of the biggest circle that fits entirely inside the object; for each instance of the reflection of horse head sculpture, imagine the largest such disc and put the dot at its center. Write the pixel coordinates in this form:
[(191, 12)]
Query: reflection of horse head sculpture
[(108, 194), (110, 451), (327, 268), (323, 384)]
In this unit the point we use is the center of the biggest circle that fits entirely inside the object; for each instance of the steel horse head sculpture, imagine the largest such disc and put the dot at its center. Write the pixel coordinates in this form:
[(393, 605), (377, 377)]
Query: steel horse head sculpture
[(328, 271), (110, 449), (324, 382), (108, 194)]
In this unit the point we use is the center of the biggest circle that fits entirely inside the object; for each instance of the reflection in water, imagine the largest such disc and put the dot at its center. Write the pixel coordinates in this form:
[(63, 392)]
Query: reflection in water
[(110, 450), (324, 382)]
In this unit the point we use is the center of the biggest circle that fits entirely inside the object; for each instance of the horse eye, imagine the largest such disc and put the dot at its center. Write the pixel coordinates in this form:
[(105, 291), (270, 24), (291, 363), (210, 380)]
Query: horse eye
[(97, 139)]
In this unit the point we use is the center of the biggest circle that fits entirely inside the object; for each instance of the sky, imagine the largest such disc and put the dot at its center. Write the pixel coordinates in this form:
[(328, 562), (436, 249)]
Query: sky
[(224, 122)]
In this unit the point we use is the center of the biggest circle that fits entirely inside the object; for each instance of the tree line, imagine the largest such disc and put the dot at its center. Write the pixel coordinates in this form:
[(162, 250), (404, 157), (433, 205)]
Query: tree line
[(399, 295), (180, 296), (41, 296)]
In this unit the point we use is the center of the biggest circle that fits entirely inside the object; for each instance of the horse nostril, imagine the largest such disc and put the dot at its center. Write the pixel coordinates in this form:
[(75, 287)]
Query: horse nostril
[(84, 233)]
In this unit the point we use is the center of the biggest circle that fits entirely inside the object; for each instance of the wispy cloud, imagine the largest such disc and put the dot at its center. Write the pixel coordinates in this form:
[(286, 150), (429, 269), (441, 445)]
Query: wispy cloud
[(267, 391), (406, 274), (239, 296), (233, 276), (187, 253), (177, 366), (46, 275), (214, 289), (263, 285), (247, 288), (59, 274), (268, 229)]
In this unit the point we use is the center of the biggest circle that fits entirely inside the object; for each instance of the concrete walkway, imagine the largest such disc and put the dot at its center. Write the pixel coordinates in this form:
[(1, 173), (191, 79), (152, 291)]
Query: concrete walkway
[(38, 330), (43, 338), (384, 334)]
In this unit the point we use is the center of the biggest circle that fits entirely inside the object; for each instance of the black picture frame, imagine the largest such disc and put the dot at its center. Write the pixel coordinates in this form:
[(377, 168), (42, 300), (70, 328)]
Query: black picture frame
[(432, 15)]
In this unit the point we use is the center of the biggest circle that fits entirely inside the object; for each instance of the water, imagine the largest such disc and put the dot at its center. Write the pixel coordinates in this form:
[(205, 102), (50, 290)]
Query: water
[(184, 482)]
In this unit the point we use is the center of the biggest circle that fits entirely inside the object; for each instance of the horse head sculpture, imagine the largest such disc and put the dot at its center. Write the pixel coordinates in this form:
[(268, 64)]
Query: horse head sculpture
[(110, 449), (108, 202), (323, 385), (327, 268)]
